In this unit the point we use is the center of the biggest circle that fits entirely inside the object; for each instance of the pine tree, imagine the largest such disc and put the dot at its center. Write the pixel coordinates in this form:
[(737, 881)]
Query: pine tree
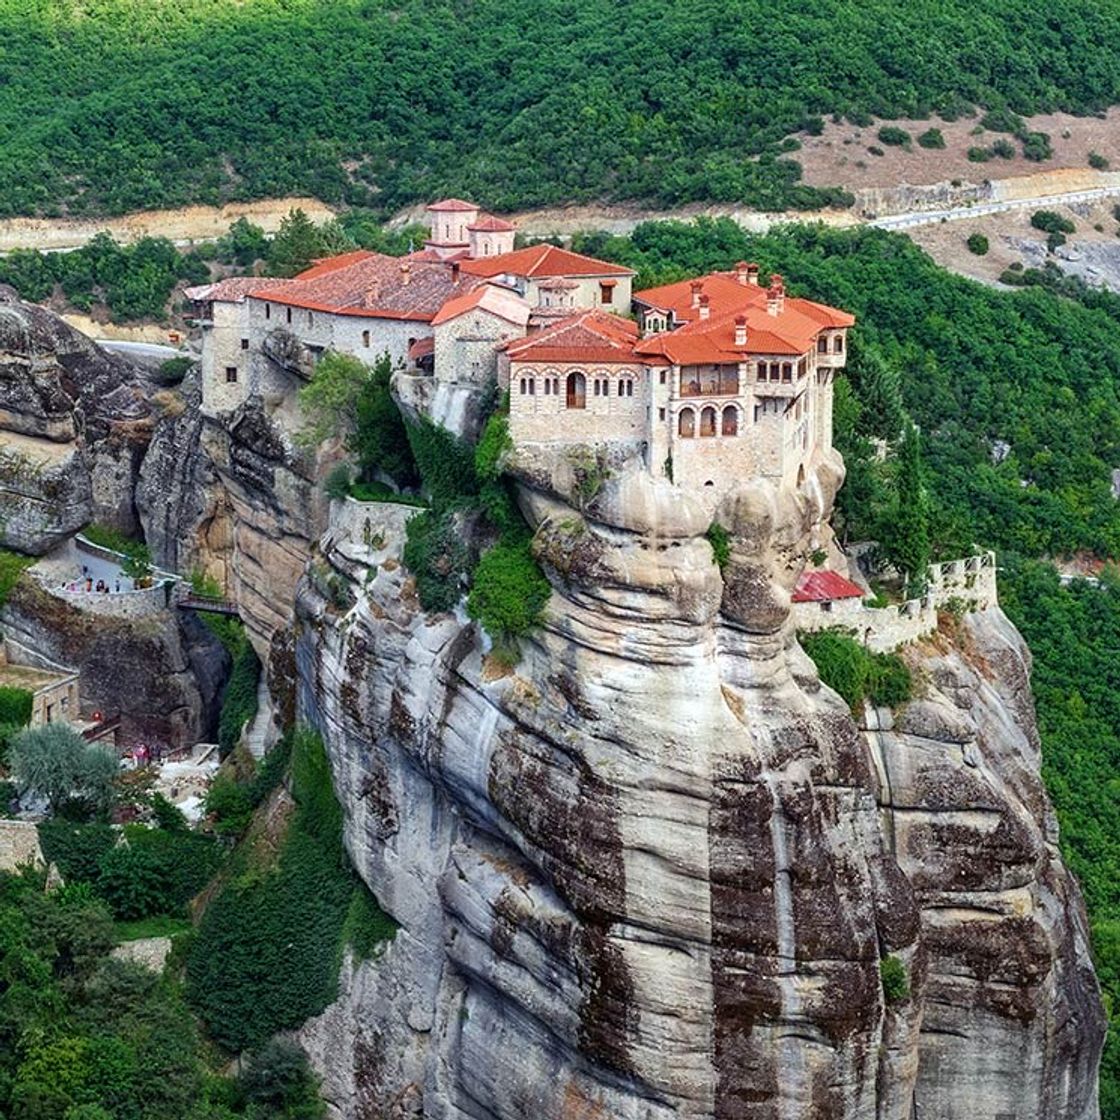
[(296, 244), (908, 546), (879, 388)]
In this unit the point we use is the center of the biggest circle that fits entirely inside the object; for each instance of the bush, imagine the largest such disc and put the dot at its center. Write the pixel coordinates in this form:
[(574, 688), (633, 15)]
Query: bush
[(239, 704), (896, 986), (173, 370), (874, 150), (720, 540), (1098, 162), (446, 464), (277, 1081), (509, 592), (1049, 221), (437, 557), (931, 138), (228, 802), (12, 566), (977, 243), (893, 136), (1004, 149), (855, 673), (979, 155), (493, 447), (56, 763), (1036, 146), (337, 484), (15, 706), (76, 850)]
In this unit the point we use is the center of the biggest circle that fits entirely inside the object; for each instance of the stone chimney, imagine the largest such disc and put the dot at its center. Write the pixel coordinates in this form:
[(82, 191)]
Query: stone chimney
[(373, 293), (776, 295), (752, 274), (740, 331), (406, 272), (696, 286), (741, 272), (705, 309), (454, 272)]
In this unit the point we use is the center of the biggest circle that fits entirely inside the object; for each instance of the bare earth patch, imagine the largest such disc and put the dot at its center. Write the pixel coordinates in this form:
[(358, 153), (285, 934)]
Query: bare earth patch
[(840, 156)]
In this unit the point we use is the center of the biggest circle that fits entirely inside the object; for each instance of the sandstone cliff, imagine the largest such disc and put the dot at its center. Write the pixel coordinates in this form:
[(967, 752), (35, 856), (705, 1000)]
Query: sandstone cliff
[(654, 871), (74, 425)]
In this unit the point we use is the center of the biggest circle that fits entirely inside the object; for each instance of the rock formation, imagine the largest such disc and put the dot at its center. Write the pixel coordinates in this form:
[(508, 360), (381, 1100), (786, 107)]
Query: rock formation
[(656, 869), (74, 424)]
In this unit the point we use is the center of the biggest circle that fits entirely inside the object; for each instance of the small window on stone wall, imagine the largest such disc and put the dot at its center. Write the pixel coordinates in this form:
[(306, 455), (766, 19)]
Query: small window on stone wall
[(244, 344), (838, 344), (268, 310), (365, 339), (288, 315), (231, 374)]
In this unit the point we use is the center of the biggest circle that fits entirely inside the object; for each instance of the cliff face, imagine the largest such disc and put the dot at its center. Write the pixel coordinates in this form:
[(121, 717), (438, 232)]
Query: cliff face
[(74, 425), (654, 871)]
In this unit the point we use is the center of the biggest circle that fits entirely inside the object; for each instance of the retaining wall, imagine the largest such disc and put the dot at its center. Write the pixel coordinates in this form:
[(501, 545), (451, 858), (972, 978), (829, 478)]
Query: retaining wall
[(968, 585)]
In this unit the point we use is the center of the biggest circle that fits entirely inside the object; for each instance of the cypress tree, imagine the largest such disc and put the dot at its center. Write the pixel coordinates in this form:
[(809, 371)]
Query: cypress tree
[(909, 546)]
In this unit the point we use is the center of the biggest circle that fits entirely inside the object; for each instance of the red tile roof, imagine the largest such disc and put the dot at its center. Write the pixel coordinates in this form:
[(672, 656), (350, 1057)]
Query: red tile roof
[(822, 586), (543, 260), (490, 224), (590, 336), (421, 348), (494, 298), (791, 332), (231, 290), (371, 285), (454, 204)]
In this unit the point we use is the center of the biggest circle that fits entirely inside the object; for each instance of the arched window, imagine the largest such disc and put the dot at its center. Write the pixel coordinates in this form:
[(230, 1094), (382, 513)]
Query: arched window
[(708, 422), (523, 386), (547, 387), (686, 423), (365, 339), (822, 345), (532, 386), (577, 390), (628, 386), (556, 386), (838, 344), (801, 475), (730, 421)]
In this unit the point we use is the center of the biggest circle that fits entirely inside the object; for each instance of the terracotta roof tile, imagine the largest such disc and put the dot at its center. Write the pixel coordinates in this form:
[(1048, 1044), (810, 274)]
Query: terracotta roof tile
[(452, 204), (822, 586), (489, 224), (233, 289), (543, 260), (490, 297), (590, 336)]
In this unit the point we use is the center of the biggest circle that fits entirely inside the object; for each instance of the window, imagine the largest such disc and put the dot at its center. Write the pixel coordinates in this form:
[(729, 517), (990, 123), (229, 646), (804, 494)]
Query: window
[(288, 311), (310, 319), (661, 414), (838, 344), (629, 385), (664, 374), (532, 386), (577, 390), (822, 345), (231, 374), (365, 339), (686, 423), (556, 386), (244, 344), (708, 422), (787, 371), (597, 390), (730, 421), (268, 310), (606, 293), (547, 387), (523, 386)]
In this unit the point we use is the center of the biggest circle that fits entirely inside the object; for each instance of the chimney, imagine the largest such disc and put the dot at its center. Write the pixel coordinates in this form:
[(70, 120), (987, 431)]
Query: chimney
[(775, 295), (741, 270), (372, 294), (705, 310), (454, 272), (406, 272), (752, 274), (696, 286), (740, 331)]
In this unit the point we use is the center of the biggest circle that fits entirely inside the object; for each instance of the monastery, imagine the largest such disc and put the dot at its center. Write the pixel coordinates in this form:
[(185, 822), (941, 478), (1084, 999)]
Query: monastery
[(708, 381)]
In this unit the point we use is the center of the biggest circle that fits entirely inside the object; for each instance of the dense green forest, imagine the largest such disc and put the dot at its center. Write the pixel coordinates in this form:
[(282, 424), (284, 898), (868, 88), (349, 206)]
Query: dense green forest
[(1017, 395), (115, 106)]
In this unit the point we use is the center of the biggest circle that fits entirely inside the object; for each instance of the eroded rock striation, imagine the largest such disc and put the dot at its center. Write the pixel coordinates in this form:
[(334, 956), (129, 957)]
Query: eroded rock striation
[(656, 869), (74, 425)]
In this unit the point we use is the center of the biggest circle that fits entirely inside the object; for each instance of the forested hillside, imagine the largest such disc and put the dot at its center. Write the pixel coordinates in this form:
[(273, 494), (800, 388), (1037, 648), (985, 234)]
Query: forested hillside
[(1017, 395), (115, 106)]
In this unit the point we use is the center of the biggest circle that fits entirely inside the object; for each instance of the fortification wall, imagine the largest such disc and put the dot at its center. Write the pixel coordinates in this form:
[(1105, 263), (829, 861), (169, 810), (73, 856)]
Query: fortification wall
[(966, 585)]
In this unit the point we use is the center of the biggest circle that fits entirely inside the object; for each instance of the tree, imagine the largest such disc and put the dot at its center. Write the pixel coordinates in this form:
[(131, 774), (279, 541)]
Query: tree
[(296, 244), (244, 244), (279, 1079), (329, 403), (908, 542), (379, 438), (55, 762), (879, 388)]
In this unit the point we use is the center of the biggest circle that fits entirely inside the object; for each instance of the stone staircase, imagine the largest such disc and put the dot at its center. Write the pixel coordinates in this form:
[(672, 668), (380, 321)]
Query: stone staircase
[(257, 730)]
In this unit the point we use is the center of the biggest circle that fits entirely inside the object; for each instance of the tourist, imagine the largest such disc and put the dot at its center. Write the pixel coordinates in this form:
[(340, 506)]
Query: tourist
[(100, 585)]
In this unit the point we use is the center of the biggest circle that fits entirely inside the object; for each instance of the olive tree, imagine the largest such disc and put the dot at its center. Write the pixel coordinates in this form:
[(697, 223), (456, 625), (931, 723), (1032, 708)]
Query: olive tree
[(55, 762)]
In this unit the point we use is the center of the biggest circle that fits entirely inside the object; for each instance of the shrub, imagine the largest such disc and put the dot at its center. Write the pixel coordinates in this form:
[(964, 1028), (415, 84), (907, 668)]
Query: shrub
[(1036, 146), (855, 673), (107, 537), (1049, 221), (1002, 120), (893, 136), (492, 448), (76, 850), (55, 762), (168, 816), (1003, 148), (931, 138), (1054, 241), (437, 557), (228, 802), (977, 243), (239, 705), (896, 986), (173, 370), (12, 566), (446, 464), (720, 540), (337, 484), (1098, 162), (979, 155), (15, 706), (278, 1081), (875, 150), (509, 592)]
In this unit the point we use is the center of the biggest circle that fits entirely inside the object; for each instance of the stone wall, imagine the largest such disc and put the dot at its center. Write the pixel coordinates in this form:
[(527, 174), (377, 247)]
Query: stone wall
[(968, 584), (142, 603)]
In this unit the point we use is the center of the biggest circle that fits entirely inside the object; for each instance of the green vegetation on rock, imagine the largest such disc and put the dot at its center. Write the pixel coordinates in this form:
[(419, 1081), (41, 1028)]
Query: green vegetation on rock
[(857, 674)]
